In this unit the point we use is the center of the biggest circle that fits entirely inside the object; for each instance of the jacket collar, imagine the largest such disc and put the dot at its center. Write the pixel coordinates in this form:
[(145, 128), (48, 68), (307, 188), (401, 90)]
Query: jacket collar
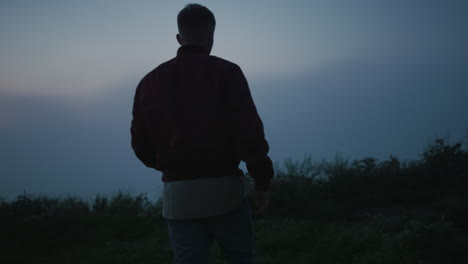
[(191, 49)]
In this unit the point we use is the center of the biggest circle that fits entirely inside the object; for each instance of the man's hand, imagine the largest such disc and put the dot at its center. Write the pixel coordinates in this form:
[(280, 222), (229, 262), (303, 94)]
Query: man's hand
[(262, 200)]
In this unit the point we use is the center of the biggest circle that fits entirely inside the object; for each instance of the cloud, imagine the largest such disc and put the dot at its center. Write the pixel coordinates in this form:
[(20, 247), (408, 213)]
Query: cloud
[(367, 107), (59, 145), (364, 108)]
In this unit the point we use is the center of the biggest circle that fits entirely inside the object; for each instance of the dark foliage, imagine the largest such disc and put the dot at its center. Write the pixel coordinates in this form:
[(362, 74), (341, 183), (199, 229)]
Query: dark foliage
[(336, 211)]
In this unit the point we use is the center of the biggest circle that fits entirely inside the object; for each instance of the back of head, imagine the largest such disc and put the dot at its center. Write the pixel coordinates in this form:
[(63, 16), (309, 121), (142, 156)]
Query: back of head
[(196, 23)]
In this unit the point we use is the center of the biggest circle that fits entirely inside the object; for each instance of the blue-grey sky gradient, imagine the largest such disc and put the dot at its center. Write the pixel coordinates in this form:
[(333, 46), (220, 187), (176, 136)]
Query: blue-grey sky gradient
[(361, 78)]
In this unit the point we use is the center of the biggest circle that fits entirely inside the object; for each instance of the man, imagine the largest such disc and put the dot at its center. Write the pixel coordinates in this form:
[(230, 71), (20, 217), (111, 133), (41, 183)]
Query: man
[(194, 119)]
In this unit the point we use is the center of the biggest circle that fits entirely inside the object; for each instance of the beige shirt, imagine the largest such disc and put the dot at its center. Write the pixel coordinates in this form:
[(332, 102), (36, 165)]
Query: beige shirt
[(189, 199)]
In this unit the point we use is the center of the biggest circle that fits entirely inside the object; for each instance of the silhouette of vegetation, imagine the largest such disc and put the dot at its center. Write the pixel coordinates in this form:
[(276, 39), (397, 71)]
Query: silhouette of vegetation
[(338, 211)]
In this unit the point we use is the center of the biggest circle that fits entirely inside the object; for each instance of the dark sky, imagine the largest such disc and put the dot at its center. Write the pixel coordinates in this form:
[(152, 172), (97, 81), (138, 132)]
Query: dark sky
[(371, 79)]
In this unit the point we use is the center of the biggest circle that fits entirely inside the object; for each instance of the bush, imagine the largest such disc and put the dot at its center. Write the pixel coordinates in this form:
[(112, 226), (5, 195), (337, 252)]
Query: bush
[(338, 211)]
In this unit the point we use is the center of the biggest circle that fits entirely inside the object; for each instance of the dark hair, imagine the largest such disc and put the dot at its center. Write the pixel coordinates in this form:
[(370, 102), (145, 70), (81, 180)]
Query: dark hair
[(195, 20)]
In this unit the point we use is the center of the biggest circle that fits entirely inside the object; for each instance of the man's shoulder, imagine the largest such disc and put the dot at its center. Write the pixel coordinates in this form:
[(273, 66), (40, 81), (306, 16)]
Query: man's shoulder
[(167, 64), (164, 68), (226, 64), (158, 70)]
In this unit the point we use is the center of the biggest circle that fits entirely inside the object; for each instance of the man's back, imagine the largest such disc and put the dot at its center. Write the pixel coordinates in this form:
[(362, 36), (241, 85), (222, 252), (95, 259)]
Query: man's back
[(197, 114)]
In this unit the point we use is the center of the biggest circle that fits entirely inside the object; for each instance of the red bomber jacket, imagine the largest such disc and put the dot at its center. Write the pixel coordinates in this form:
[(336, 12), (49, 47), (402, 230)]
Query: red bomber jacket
[(194, 117)]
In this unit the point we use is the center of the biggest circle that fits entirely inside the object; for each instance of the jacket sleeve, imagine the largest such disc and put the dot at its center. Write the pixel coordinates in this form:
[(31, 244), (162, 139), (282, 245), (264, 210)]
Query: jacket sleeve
[(141, 142), (247, 130)]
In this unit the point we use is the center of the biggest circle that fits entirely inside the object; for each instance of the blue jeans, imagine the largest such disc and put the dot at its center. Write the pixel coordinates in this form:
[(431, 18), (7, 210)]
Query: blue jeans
[(191, 239)]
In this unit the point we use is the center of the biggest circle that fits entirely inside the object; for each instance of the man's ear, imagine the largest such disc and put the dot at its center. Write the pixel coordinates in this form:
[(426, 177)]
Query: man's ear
[(179, 39)]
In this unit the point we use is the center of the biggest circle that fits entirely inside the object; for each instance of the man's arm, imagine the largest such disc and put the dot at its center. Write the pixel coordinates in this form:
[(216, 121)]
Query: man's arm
[(247, 130), (141, 142)]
